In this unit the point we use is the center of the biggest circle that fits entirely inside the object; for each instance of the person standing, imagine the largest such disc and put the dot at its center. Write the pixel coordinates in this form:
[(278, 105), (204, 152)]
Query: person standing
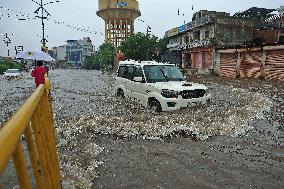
[(38, 73)]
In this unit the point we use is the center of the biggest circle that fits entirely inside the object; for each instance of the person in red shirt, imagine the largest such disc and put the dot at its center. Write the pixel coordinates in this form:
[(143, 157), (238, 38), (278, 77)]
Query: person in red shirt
[(38, 73)]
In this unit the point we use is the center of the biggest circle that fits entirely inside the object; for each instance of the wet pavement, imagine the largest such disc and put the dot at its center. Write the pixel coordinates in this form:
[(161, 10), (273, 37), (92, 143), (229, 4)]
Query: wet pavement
[(236, 141)]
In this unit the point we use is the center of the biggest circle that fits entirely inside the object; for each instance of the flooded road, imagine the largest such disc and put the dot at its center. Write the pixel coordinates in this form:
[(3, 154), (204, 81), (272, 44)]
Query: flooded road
[(236, 141)]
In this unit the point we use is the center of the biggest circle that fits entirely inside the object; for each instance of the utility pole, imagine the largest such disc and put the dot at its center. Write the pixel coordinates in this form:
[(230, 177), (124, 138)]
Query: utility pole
[(147, 35), (43, 11), (7, 40)]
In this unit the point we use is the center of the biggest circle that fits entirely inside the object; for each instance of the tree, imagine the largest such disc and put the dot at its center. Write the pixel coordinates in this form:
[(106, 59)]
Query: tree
[(162, 45), (139, 46), (103, 57), (106, 54), (5, 65), (161, 48), (91, 63)]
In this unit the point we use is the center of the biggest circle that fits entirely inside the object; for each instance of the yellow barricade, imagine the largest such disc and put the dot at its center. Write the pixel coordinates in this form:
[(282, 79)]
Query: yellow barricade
[(35, 121)]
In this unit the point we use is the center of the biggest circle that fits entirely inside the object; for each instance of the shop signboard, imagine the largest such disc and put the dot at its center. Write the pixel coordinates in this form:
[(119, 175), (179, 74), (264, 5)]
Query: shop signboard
[(182, 28), (172, 32)]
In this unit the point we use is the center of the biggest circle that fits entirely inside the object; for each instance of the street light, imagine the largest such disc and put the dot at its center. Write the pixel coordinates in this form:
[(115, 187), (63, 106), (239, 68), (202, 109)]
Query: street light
[(7, 41), (147, 35), (43, 17)]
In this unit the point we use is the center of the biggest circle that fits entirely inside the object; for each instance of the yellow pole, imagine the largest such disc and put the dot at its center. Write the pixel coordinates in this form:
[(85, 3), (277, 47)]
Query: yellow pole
[(121, 33), (50, 143), (126, 28), (21, 168), (39, 138), (115, 29), (46, 142), (34, 157), (52, 138)]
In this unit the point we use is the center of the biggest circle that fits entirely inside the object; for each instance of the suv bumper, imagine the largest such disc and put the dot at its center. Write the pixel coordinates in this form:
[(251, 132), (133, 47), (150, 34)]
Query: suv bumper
[(167, 104)]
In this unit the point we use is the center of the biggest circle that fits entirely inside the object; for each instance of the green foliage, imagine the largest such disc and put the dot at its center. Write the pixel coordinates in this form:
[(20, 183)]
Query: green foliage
[(162, 45), (4, 65), (139, 46), (3, 68), (91, 63), (102, 59)]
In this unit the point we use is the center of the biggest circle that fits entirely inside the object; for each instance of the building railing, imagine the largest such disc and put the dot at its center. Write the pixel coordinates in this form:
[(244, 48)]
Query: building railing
[(34, 121)]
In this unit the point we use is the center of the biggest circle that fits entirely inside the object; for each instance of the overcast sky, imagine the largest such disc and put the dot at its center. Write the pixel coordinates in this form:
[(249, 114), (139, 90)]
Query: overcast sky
[(160, 15)]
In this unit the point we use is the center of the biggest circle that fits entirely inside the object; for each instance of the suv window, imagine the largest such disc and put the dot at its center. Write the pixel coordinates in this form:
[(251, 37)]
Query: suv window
[(130, 72), (122, 71), (138, 72), (162, 73)]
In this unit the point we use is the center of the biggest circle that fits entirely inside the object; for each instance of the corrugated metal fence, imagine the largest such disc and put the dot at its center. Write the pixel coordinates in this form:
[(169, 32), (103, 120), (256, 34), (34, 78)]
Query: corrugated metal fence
[(266, 62)]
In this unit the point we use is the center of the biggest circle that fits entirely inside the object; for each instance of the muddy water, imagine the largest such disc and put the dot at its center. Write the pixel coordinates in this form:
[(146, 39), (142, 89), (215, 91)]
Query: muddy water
[(236, 141)]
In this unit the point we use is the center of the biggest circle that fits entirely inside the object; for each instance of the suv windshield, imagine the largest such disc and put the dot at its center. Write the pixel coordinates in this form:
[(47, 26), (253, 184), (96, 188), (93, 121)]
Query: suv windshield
[(162, 73)]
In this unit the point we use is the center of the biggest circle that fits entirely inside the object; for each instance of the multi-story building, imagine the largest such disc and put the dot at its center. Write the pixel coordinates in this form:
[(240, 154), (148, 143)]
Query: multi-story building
[(78, 50), (74, 53), (274, 33), (197, 40), (59, 54), (87, 47)]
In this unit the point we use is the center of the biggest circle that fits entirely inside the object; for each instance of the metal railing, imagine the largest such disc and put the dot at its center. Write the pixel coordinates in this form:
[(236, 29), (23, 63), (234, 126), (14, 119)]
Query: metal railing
[(35, 121)]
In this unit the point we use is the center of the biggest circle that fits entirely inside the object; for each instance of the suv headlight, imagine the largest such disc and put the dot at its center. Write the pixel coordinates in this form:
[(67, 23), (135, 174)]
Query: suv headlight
[(169, 93)]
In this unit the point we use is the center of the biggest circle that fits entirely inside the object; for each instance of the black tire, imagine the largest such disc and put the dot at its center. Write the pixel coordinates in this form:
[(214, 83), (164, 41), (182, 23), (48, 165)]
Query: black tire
[(155, 106), (120, 93)]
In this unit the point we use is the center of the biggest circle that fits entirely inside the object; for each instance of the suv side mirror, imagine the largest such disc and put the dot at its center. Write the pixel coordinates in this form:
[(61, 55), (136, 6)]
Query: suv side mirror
[(138, 79)]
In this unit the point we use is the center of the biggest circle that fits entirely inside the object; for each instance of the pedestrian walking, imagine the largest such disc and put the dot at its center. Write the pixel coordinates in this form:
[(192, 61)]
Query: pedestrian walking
[(38, 73)]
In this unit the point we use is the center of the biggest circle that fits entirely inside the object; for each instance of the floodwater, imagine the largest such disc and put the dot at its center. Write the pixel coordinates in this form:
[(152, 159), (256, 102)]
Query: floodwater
[(235, 141)]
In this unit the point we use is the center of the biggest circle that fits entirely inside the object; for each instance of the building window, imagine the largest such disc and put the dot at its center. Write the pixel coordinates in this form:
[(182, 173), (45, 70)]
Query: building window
[(206, 34), (196, 36)]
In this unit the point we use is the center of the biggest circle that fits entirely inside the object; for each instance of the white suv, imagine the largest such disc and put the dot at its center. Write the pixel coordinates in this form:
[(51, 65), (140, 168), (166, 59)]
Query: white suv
[(157, 85), (12, 73)]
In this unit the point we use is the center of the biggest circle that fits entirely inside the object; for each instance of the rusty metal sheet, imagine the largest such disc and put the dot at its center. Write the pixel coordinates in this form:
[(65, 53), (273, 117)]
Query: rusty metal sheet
[(250, 65), (228, 64), (274, 66)]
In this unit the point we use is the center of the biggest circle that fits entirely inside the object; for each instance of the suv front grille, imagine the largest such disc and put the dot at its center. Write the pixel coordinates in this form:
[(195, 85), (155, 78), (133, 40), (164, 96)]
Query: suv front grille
[(197, 93)]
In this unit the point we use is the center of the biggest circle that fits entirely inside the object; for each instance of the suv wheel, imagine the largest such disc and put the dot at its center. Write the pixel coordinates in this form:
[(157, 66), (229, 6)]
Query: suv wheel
[(155, 106), (120, 93)]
